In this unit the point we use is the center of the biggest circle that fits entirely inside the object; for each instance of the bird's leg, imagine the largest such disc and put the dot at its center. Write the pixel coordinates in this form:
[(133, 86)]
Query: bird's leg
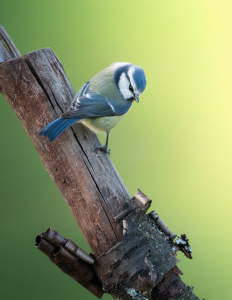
[(104, 148)]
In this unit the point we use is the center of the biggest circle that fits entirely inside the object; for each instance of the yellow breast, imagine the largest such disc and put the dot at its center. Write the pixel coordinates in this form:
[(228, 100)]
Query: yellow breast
[(102, 124)]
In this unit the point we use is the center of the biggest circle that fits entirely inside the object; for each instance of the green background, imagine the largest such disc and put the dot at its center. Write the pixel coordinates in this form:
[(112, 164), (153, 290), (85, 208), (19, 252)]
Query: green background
[(175, 145)]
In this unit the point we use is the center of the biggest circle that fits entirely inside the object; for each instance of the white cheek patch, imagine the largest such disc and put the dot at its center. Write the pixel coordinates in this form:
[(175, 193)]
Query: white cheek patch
[(123, 85), (130, 75)]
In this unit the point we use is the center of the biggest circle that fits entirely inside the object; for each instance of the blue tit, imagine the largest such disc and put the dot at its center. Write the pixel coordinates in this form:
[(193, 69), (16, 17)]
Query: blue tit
[(102, 101)]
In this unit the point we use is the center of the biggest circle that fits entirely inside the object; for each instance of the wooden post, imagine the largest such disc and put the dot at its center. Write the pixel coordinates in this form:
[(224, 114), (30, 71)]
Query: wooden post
[(121, 235)]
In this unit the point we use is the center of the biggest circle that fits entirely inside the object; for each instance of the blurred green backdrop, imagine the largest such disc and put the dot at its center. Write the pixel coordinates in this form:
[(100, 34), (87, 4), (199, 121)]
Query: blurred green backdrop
[(176, 144)]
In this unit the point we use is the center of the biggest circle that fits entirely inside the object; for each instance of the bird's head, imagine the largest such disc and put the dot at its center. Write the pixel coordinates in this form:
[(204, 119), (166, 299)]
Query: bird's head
[(130, 79)]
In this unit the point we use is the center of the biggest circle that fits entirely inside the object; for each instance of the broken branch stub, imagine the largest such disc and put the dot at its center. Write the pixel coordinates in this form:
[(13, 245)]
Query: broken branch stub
[(142, 198), (53, 245), (44, 246), (8, 49), (160, 223), (57, 239)]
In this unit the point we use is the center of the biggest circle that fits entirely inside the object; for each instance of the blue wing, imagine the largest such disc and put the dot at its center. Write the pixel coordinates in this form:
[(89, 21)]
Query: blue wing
[(88, 104)]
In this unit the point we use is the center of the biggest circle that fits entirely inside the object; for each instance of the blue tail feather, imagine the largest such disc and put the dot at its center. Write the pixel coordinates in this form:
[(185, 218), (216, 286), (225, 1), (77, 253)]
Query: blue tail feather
[(55, 128)]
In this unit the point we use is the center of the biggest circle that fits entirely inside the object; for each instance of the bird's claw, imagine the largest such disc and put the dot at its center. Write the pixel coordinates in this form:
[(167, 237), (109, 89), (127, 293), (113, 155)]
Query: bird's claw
[(103, 149)]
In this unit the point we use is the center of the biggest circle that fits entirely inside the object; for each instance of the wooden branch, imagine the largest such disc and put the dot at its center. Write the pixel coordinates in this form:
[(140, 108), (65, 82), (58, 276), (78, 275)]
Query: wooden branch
[(58, 240), (160, 223), (134, 259), (70, 259), (8, 49)]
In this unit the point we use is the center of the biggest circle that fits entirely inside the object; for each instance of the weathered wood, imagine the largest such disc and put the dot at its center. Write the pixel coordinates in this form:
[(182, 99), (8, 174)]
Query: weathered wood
[(141, 260), (38, 90), (57, 248), (8, 49), (57, 239), (160, 223)]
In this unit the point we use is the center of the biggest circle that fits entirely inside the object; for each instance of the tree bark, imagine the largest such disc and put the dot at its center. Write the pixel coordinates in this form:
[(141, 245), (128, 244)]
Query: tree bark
[(134, 259)]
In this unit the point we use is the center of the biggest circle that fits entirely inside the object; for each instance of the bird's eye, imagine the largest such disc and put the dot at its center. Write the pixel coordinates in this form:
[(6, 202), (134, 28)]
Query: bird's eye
[(131, 88)]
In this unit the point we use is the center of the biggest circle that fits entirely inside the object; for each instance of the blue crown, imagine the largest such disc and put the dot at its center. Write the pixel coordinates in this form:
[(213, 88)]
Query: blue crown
[(139, 78)]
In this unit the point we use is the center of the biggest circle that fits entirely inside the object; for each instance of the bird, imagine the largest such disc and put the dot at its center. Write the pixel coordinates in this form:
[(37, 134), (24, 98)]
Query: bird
[(102, 101)]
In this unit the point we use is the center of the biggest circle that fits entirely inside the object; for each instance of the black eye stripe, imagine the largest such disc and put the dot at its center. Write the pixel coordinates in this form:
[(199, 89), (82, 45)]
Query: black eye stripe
[(130, 85), (131, 88), (132, 91)]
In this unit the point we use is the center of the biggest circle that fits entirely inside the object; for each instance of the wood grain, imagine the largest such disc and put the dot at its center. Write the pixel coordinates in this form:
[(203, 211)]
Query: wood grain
[(8, 49), (38, 90)]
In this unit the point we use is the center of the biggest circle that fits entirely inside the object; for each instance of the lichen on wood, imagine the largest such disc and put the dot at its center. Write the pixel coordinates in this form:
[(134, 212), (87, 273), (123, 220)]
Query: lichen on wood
[(141, 260)]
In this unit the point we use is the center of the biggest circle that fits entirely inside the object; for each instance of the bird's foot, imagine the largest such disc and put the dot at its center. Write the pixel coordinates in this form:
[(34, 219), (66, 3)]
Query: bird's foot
[(103, 148)]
